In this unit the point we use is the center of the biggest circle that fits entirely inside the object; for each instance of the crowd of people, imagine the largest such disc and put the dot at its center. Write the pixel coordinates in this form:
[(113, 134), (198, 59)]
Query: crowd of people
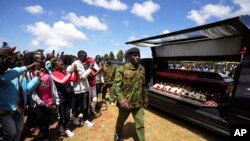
[(35, 84)]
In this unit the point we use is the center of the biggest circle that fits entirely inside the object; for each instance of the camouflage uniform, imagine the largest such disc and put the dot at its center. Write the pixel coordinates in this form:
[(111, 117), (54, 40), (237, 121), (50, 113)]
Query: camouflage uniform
[(108, 75), (130, 84)]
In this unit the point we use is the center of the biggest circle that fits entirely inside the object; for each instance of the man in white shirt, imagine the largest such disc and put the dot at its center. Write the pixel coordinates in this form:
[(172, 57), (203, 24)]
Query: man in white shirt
[(81, 99)]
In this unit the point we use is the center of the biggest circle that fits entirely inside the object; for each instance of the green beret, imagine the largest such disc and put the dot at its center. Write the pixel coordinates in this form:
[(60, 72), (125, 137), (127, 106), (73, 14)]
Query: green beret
[(133, 50)]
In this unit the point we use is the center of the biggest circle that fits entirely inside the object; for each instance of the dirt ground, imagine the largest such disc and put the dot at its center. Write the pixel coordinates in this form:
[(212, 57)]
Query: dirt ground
[(159, 126)]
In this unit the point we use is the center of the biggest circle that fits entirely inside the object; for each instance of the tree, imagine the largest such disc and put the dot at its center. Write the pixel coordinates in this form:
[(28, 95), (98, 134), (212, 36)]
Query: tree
[(120, 55), (111, 55), (105, 56)]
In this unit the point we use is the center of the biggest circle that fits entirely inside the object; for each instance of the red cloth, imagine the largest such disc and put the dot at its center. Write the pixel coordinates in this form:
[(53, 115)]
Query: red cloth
[(91, 78), (60, 77), (89, 60), (74, 77)]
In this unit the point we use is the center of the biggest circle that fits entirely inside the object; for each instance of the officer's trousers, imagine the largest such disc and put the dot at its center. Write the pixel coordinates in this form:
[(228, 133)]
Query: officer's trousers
[(138, 115)]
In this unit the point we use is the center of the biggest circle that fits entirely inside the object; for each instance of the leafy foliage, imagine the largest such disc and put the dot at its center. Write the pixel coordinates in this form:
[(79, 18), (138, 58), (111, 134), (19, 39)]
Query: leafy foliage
[(111, 55), (120, 55)]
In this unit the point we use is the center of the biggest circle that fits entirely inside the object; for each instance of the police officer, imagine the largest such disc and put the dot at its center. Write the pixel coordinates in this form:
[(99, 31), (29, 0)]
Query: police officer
[(130, 89), (108, 75)]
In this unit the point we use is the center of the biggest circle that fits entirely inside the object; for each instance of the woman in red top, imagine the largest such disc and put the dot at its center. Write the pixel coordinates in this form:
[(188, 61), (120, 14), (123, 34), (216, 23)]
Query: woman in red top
[(65, 91)]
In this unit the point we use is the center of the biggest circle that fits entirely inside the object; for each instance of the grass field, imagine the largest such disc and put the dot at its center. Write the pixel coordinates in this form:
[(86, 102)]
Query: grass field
[(159, 126)]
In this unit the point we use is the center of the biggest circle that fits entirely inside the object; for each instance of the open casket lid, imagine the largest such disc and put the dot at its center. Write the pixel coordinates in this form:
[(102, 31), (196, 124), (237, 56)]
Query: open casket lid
[(223, 38)]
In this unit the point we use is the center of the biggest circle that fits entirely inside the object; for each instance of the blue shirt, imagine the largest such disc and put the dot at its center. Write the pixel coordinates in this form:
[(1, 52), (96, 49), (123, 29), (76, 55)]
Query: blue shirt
[(9, 85)]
